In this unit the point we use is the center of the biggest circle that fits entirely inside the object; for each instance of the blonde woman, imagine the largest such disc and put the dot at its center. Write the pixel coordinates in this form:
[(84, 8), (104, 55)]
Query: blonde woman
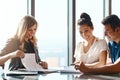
[(24, 41)]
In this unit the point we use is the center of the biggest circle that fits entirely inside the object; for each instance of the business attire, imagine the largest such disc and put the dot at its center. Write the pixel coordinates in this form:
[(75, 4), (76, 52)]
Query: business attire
[(13, 45)]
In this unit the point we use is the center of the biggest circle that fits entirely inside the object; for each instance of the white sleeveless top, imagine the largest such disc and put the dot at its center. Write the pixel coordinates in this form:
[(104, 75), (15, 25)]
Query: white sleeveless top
[(93, 54)]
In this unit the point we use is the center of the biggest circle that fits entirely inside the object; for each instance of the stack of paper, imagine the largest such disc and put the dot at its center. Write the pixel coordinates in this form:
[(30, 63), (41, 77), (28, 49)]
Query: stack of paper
[(29, 62)]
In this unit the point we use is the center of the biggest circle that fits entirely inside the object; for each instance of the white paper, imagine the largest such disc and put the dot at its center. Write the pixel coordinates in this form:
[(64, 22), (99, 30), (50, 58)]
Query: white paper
[(29, 62), (69, 69), (66, 69)]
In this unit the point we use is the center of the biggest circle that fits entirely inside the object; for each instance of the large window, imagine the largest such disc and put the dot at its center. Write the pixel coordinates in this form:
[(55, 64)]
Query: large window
[(52, 32), (115, 7), (11, 13), (53, 17), (96, 13)]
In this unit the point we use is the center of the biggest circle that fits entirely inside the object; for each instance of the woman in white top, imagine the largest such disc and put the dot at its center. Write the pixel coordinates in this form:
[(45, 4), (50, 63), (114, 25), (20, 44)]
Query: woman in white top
[(92, 51)]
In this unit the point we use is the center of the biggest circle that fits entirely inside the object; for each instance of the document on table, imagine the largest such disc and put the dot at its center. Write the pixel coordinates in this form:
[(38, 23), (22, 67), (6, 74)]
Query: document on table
[(66, 69), (69, 69), (30, 64)]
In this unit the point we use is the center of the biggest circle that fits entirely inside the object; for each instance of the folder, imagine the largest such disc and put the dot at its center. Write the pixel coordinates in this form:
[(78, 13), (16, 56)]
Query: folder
[(26, 72), (19, 72)]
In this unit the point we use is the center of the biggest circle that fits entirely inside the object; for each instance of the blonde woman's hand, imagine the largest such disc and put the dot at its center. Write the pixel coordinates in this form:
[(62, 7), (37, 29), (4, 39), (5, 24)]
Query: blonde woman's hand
[(43, 64), (17, 53)]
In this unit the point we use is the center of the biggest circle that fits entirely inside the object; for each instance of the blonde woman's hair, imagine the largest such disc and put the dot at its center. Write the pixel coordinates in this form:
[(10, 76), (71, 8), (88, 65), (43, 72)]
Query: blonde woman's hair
[(25, 24)]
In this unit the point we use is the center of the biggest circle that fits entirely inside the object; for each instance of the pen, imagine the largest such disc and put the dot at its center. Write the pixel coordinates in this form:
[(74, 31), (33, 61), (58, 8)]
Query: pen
[(75, 63), (72, 64)]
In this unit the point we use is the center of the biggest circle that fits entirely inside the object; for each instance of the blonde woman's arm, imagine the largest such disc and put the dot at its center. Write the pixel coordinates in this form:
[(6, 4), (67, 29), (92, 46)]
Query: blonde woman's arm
[(6, 57)]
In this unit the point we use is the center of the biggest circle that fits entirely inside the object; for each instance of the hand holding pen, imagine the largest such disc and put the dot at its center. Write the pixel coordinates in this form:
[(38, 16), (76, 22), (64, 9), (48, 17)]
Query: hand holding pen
[(75, 63)]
